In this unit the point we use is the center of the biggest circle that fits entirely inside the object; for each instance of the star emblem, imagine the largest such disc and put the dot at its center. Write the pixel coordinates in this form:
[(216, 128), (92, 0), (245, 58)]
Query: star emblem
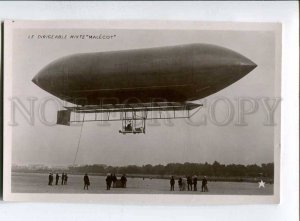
[(261, 184)]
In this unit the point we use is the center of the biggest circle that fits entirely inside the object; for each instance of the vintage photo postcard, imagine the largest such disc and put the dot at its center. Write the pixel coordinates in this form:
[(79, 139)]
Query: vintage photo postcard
[(150, 112)]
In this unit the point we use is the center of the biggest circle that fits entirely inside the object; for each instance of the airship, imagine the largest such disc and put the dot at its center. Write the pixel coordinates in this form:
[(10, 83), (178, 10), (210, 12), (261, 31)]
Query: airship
[(137, 81)]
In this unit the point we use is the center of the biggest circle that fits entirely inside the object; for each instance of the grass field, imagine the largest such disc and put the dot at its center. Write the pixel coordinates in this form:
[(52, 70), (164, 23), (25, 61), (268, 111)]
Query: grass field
[(38, 183)]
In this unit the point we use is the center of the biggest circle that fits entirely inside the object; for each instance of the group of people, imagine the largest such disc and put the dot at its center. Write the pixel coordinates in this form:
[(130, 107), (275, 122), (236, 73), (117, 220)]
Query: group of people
[(111, 179), (190, 182), (64, 179)]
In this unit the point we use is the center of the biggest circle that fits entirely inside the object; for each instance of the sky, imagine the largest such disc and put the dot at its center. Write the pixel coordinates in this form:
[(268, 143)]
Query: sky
[(57, 145)]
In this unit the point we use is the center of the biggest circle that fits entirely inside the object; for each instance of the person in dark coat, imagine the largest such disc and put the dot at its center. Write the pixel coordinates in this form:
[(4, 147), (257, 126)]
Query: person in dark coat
[(172, 183), (114, 180), (204, 185), (195, 181), (108, 181), (66, 179), (49, 180), (124, 181), (86, 181), (180, 183), (56, 179), (190, 183), (62, 178), (52, 178)]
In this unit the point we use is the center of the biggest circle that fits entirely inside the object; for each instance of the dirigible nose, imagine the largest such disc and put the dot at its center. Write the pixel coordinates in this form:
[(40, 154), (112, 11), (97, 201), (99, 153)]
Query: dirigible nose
[(42, 79), (35, 80), (50, 78), (215, 68), (246, 65), (234, 66)]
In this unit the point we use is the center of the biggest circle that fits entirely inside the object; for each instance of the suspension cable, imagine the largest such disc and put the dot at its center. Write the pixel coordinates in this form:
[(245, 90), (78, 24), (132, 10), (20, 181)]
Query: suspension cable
[(78, 144)]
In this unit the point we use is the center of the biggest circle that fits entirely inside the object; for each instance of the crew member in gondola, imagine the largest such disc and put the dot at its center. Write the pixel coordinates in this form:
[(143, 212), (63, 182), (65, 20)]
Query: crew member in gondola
[(129, 126)]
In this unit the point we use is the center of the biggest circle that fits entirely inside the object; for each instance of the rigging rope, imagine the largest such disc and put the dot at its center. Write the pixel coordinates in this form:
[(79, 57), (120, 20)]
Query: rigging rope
[(79, 140)]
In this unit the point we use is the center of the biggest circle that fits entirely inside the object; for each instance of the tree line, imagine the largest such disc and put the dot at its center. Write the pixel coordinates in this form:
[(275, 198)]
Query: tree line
[(200, 169)]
